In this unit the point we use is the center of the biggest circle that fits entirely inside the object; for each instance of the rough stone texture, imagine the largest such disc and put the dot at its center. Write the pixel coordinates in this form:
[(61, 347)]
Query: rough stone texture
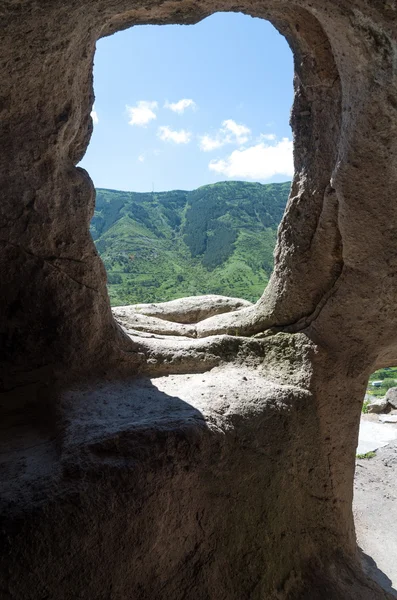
[(391, 397), (183, 486), (188, 504), (188, 310), (134, 321), (377, 405)]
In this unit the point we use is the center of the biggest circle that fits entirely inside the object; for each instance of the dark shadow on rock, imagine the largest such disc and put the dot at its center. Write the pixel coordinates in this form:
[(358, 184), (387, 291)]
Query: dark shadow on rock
[(164, 488), (371, 569), (94, 427), (121, 417)]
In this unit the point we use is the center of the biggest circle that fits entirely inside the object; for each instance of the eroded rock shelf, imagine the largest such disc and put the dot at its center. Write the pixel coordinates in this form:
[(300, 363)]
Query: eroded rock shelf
[(221, 466)]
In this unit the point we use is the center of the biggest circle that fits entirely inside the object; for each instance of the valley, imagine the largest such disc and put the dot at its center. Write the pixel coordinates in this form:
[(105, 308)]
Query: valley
[(217, 239)]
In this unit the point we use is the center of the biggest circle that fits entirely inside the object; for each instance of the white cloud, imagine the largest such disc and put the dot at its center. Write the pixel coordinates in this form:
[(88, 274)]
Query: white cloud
[(207, 143), (267, 136), (261, 161), (94, 116), (230, 133), (167, 134), (180, 106), (142, 113), (240, 132), (141, 158)]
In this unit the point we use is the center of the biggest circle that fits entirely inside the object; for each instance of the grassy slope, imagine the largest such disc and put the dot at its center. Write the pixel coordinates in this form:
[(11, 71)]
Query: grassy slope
[(216, 239)]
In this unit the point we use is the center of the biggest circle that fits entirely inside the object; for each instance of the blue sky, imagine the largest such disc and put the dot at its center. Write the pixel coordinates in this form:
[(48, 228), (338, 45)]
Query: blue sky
[(182, 106)]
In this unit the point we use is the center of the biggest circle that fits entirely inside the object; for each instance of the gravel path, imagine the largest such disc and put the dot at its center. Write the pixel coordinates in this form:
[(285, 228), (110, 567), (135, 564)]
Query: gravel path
[(375, 512)]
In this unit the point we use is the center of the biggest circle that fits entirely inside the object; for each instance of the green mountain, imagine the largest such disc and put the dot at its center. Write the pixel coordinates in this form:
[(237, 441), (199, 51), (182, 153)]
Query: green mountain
[(218, 239)]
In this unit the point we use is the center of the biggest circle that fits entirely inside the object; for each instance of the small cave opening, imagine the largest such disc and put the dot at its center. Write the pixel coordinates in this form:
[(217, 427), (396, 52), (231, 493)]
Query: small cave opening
[(374, 504), (191, 157)]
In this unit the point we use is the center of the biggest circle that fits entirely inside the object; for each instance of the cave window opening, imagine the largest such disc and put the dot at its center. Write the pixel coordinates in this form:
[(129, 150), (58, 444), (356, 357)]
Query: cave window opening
[(191, 155), (376, 460)]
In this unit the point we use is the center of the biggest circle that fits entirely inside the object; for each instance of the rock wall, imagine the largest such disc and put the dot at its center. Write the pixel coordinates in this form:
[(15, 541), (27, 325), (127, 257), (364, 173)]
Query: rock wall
[(176, 487)]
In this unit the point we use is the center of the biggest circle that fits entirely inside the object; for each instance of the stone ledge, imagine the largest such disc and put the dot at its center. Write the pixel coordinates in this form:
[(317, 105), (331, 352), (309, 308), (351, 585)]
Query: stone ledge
[(170, 487)]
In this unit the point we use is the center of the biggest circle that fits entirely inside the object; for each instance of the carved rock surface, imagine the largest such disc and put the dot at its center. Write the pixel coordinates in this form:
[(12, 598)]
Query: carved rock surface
[(255, 500), (129, 318), (188, 310), (157, 487)]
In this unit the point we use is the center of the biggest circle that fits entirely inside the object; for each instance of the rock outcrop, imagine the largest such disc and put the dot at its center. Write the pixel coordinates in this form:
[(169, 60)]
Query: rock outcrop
[(206, 484), (377, 405), (391, 397), (187, 310), (385, 404)]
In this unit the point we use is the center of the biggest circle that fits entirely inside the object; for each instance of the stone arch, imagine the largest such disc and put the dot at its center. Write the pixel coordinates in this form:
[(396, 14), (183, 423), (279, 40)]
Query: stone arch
[(295, 428), (68, 82)]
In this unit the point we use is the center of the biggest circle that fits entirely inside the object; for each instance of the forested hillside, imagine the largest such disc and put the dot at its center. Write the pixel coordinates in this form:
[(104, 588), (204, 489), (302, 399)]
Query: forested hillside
[(217, 239)]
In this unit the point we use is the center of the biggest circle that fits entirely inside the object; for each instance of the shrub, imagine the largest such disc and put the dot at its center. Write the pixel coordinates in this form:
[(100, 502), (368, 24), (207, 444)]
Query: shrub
[(364, 409), (367, 455)]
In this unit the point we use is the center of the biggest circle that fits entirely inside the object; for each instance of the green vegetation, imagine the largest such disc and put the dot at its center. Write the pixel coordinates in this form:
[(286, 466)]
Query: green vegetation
[(364, 409), (388, 378), (218, 239), (366, 455)]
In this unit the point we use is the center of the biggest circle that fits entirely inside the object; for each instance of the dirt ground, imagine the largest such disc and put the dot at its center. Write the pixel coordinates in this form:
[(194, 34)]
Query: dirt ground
[(375, 512)]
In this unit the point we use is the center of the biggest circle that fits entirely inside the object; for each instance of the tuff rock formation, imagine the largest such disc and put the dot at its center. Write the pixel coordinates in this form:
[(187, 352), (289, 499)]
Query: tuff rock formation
[(188, 310), (219, 468)]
